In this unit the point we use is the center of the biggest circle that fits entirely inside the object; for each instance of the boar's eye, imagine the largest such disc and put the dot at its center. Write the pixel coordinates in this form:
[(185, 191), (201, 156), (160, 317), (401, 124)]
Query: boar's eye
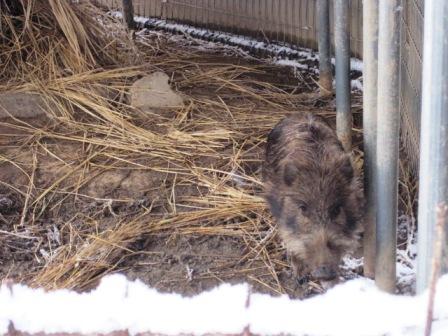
[(302, 207), (335, 211)]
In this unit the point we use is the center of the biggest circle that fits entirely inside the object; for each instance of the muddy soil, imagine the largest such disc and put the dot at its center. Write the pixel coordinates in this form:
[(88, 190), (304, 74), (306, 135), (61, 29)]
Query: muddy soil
[(168, 261)]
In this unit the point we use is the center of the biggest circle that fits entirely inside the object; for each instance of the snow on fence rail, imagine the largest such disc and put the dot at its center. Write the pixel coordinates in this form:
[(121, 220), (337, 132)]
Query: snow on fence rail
[(122, 307)]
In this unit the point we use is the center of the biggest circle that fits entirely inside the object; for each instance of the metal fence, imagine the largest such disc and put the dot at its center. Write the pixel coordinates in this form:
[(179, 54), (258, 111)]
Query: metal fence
[(411, 77), (294, 21), (291, 21)]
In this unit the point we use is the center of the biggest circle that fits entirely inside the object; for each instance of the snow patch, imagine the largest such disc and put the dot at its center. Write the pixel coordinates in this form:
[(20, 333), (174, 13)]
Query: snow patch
[(356, 64), (356, 307), (119, 304), (356, 84), (291, 63)]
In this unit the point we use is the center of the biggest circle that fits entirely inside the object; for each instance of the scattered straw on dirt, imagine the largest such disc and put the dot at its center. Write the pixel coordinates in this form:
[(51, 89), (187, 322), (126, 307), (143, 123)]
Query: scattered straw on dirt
[(172, 197)]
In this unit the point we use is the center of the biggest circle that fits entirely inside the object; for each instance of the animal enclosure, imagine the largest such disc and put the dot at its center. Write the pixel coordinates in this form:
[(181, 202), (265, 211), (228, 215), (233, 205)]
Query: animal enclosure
[(163, 154)]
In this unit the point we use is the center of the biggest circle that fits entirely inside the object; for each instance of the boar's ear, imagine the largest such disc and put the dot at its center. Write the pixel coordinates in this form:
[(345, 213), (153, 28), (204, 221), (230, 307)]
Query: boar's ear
[(290, 173)]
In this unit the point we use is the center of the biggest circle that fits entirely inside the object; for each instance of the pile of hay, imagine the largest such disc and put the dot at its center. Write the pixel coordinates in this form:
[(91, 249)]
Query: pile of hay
[(96, 185), (48, 39)]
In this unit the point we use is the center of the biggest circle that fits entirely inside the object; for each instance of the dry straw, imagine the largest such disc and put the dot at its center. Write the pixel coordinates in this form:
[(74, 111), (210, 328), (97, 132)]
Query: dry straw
[(204, 157)]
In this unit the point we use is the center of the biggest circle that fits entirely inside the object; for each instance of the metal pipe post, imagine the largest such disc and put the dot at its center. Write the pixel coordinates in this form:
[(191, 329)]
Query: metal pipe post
[(323, 41), (370, 95), (342, 53), (433, 188), (128, 14), (387, 143)]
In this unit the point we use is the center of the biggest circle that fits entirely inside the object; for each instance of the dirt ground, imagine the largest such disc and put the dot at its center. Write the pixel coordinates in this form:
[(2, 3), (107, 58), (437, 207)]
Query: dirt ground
[(78, 203)]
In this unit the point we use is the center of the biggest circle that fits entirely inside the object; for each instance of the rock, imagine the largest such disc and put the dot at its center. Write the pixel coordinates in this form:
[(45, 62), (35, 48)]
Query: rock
[(125, 184), (105, 184), (153, 92), (21, 105)]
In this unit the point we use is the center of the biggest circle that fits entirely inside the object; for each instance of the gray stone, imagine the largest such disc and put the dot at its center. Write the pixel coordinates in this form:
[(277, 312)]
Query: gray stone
[(21, 105), (154, 92)]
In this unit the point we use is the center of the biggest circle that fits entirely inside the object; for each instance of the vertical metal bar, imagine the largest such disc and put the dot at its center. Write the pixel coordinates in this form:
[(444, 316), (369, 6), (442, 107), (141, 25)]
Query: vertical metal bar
[(291, 22), (207, 13), (267, 20), (434, 136), (215, 16), (233, 14), (370, 95), (312, 26), (298, 23), (259, 18), (196, 12), (277, 25), (284, 16), (387, 143), (128, 13), (307, 27), (323, 42), (342, 53), (271, 20)]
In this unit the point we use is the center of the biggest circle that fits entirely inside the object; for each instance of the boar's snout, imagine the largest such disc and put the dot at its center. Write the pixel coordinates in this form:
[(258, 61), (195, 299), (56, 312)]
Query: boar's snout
[(324, 273)]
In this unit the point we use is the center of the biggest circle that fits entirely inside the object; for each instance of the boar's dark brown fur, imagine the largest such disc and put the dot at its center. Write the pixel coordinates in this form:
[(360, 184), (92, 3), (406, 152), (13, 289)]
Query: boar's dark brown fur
[(313, 193)]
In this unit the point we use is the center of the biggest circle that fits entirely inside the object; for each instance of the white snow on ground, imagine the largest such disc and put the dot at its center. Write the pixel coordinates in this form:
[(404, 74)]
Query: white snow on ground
[(356, 307), (356, 84), (356, 64), (118, 304), (406, 257), (292, 63), (285, 54)]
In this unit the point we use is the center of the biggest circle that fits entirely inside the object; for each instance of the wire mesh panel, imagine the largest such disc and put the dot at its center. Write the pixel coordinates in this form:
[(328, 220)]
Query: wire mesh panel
[(293, 21), (411, 76)]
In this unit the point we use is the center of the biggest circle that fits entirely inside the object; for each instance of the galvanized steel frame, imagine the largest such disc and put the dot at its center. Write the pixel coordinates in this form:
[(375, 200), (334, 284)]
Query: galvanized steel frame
[(434, 137), (388, 120)]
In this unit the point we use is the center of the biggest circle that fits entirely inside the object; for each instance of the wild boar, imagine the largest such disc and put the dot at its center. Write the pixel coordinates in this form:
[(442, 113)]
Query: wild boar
[(314, 195)]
